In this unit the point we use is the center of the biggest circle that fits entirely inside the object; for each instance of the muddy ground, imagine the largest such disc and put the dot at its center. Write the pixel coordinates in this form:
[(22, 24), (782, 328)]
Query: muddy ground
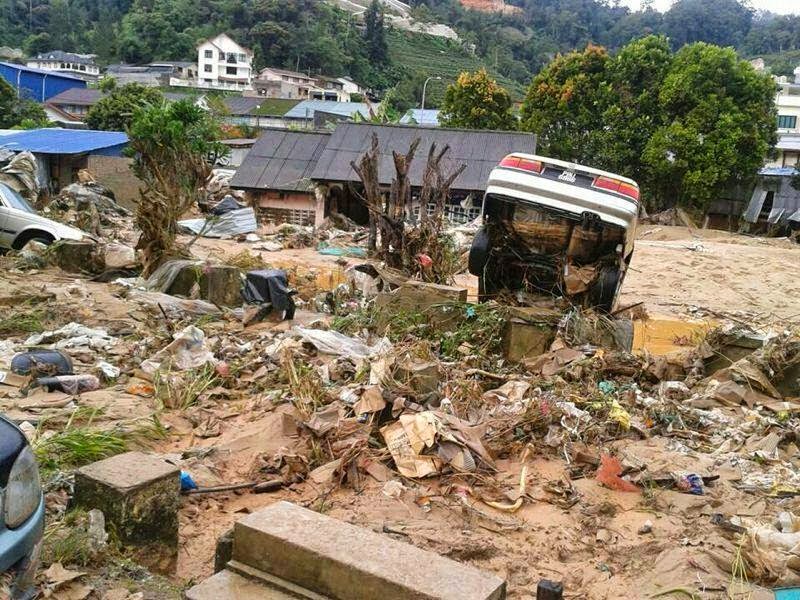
[(600, 542)]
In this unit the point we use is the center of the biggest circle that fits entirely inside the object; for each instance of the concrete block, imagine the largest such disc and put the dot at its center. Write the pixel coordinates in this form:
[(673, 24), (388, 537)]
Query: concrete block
[(78, 257), (344, 562), (139, 496), (529, 331), (222, 285), (418, 296), (218, 284), (422, 377), (227, 585)]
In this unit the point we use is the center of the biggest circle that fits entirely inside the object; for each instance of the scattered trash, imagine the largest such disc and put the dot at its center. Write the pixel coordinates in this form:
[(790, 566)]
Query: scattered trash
[(69, 384), (188, 350), (42, 362)]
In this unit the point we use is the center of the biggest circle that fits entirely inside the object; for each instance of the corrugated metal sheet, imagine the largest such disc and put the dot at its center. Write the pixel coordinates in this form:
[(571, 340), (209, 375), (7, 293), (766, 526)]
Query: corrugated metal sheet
[(232, 223), (281, 160), (785, 199), (425, 118), (480, 151), (306, 109), (53, 140)]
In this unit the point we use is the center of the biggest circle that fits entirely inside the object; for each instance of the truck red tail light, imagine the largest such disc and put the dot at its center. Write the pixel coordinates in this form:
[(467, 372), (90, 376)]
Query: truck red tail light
[(615, 185), (518, 162)]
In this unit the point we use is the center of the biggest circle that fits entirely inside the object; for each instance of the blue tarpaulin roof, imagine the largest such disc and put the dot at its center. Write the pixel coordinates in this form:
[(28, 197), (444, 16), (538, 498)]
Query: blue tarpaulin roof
[(53, 140)]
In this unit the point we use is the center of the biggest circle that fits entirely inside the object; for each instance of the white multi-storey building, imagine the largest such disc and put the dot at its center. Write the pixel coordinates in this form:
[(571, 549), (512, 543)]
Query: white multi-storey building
[(80, 65), (224, 64)]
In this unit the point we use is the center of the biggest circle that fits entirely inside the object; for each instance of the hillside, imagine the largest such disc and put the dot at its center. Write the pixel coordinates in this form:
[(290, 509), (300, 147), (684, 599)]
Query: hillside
[(433, 56), (781, 63)]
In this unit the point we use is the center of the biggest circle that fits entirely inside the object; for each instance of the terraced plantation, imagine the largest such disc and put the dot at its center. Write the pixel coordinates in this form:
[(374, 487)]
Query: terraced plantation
[(431, 55)]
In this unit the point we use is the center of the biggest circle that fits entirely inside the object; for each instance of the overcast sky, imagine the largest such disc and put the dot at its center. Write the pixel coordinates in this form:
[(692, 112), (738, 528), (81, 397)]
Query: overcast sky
[(776, 6)]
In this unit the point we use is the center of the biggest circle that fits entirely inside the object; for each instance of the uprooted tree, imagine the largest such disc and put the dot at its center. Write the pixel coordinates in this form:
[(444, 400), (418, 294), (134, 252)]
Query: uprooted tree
[(173, 148), (419, 248)]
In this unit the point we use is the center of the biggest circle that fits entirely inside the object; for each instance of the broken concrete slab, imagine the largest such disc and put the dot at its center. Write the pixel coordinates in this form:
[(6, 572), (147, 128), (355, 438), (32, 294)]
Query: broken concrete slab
[(339, 560), (139, 495), (227, 585), (418, 296), (77, 257)]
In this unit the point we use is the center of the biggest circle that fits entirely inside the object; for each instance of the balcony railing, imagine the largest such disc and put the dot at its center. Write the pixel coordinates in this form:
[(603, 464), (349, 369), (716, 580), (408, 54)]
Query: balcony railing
[(209, 85)]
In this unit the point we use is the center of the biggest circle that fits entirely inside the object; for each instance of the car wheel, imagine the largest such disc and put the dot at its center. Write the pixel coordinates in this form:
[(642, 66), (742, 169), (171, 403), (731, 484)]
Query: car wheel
[(41, 240), (604, 291), (479, 252)]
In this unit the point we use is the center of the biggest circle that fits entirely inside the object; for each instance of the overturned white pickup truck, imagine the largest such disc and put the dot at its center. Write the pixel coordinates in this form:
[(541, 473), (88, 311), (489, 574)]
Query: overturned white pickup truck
[(558, 228)]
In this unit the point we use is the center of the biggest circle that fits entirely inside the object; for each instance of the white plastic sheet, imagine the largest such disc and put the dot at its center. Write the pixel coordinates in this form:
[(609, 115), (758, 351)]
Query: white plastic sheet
[(333, 342)]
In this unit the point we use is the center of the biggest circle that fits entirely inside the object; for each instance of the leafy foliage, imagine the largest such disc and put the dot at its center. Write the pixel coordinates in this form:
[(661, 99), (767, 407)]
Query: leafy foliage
[(565, 103), (173, 146), (19, 112), (315, 36), (720, 125), (375, 34), (115, 111), (475, 101), (686, 126)]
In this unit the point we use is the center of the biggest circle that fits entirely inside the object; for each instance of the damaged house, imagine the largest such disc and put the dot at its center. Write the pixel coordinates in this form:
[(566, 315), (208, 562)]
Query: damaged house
[(275, 176), (480, 151), (303, 176)]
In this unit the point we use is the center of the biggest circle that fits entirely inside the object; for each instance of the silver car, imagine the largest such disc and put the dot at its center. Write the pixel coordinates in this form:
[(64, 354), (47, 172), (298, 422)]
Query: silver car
[(555, 228), (20, 223)]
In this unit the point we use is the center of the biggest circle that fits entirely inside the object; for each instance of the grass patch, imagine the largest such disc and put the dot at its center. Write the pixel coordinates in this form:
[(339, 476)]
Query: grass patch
[(67, 541), (245, 260), (182, 391), (76, 447), (308, 391), (23, 322), (448, 325)]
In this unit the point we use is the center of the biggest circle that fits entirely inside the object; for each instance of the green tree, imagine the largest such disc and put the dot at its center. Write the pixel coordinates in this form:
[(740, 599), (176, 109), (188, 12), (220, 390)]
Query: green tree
[(173, 146), (476, 101), (565, 103), (722, 22), (19, 112), (636, 76), (375, 34), (115, 111), (719, 126), (38, 43)]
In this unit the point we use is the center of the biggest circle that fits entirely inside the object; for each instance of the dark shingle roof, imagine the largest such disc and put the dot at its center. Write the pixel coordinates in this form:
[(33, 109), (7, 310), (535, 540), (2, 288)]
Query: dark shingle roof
[(60, 55), (79, 96), (481, 151), (280, 160), (242, 105)]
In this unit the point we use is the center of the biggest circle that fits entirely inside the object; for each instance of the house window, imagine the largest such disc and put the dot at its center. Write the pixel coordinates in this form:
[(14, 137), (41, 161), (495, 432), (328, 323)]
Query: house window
[(242, 58), (208, 54), (222, 56), (207, 68), (230, 70), (787, 121)]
